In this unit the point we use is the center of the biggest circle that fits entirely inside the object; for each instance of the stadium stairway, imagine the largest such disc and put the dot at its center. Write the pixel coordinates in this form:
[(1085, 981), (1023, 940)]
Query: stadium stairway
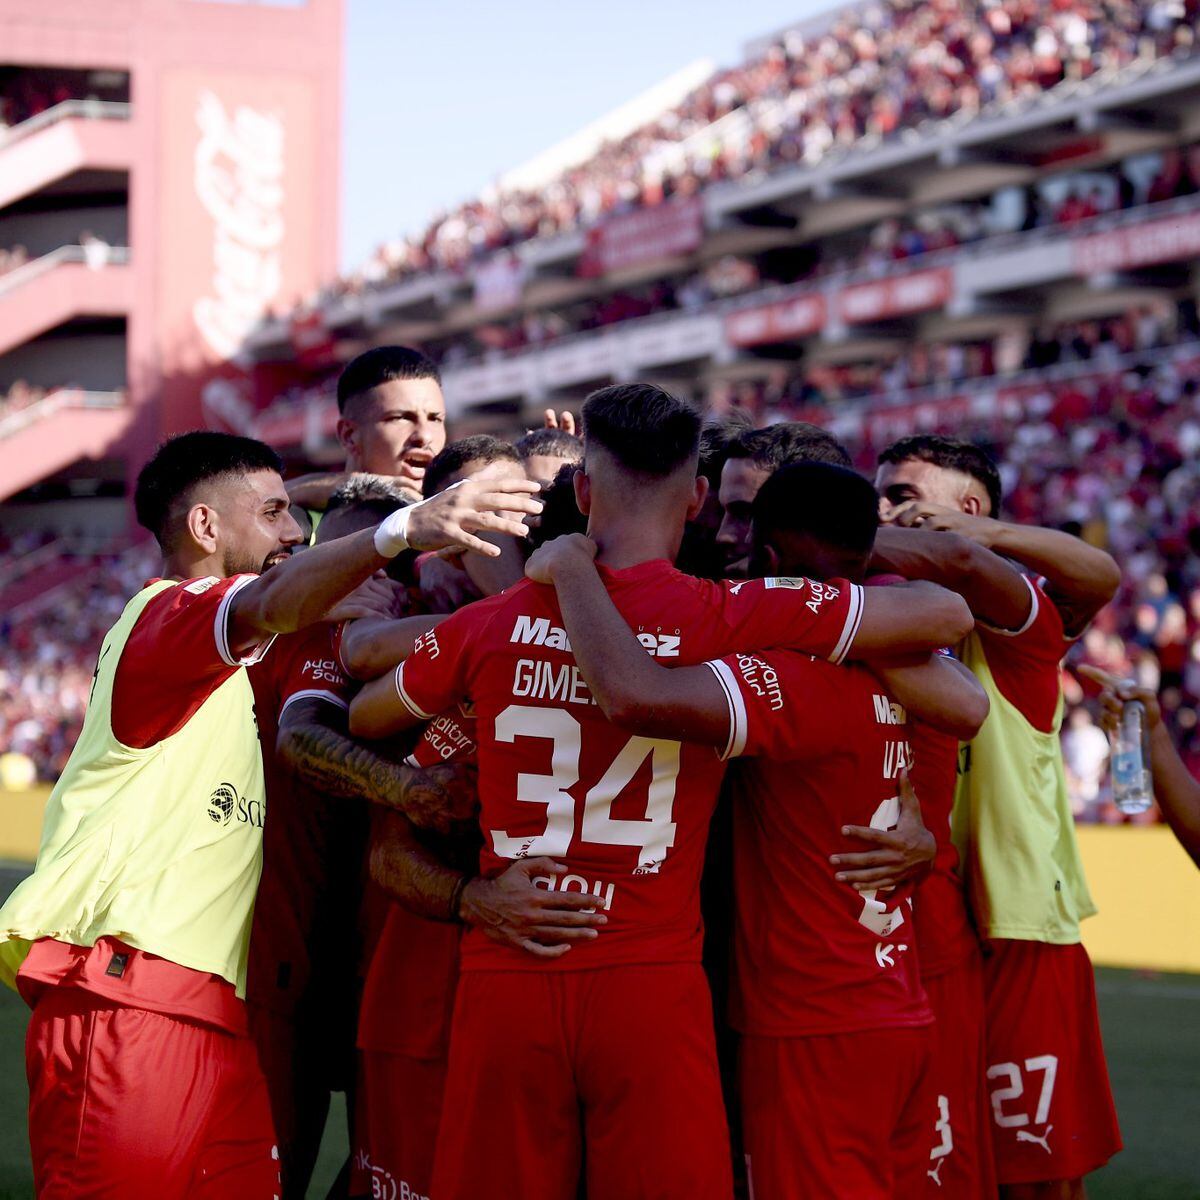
[(59, 287), (57, 431), (77, 135)]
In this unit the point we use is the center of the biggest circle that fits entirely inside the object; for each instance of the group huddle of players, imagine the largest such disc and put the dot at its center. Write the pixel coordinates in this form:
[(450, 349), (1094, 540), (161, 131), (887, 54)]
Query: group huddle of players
[(501, 786)]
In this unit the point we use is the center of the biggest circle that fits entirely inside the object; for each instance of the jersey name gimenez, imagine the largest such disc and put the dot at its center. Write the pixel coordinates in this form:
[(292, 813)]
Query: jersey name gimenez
[(627, 815)]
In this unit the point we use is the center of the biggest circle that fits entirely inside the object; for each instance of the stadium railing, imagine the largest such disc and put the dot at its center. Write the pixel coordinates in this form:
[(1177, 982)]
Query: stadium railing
[(92, 110), (54, 402)]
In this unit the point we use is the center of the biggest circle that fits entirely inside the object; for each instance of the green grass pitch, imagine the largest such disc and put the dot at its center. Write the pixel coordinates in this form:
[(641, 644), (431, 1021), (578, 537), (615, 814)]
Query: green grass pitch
[(1151, 1032)]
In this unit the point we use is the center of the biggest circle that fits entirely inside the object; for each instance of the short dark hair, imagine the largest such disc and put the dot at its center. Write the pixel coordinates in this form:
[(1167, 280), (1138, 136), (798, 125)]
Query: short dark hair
[(717, 435), (383, 364), (790, 442), (553, 443), (832, 504), (647, 430), (184, 462), (372, 495), (481, 448), (953, 455), (560, 512)]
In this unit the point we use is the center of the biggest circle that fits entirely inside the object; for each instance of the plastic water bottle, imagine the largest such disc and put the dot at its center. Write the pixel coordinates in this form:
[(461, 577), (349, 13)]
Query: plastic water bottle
[(1132, 789)]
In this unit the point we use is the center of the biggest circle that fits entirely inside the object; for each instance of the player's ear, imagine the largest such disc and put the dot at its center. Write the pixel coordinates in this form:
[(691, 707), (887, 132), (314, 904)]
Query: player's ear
[(347, 435), (972, 505), (202, 523), (583, 491), (699, 495)]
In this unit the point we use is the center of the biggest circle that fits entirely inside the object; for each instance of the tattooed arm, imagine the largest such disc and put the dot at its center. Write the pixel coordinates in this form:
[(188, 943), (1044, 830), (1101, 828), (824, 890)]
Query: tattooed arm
[(315, 745), (510, 909)]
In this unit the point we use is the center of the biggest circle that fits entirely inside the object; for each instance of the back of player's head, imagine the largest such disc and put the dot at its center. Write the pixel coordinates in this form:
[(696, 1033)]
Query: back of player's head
[(829, 505), (560, 513), (362, 501), (718, 435), (478, 451), (789, 442), (550, 443), (951, 454), (642, 428), (168, 484), (383, 364)]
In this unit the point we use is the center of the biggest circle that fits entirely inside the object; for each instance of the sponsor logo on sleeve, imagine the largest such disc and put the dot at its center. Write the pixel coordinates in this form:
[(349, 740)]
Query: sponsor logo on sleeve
[(199, 586), (762, 679), (427, 644), (324, 670)]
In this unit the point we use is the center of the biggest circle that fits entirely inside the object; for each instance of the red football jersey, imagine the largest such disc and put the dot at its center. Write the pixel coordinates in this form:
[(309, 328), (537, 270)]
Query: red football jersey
[(408, 994), (811, 955), (945, 933), (628, 815), (313, 844), (1025, 662)]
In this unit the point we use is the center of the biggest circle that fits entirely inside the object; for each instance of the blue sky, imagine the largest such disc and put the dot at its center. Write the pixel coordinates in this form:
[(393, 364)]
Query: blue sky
[(441, 96)]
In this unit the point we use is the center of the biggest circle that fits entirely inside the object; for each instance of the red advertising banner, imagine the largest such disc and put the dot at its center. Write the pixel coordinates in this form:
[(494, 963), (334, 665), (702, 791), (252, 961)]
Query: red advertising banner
[(782, 321), (896, 296), (646, 235), (1165, 240), (238, 235)]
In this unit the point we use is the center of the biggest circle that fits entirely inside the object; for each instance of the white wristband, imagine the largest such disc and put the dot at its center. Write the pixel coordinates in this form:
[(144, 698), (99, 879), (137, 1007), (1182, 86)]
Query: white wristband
[(391, 535)]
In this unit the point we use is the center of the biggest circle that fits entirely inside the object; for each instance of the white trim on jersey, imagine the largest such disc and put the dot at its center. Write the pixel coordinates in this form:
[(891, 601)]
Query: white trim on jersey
[(736, 744), (406, 699), (1029, 620), (313, 694), (221, 629), (854, 616)]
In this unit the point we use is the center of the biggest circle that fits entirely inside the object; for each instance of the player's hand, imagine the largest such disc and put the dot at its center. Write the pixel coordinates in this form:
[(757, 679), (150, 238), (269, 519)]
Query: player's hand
[(443, 798), (546, 561), (904, 853), (1116, 692), (378, 596), (455, 516), (564, 421), (513, 910), (445, 586), (919, 514)]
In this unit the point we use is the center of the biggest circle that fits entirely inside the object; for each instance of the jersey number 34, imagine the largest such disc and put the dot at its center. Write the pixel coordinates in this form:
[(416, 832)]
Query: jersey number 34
[(653, 836)]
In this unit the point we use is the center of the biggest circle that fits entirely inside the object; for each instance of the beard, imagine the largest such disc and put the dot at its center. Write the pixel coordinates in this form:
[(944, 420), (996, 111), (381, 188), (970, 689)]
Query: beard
[(240, 562)]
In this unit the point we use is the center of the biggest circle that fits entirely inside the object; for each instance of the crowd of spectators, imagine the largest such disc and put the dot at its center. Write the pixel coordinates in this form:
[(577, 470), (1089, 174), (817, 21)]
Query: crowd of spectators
[(20, 396), (878, 69), (26, 92), (786, 392), (47, 656)]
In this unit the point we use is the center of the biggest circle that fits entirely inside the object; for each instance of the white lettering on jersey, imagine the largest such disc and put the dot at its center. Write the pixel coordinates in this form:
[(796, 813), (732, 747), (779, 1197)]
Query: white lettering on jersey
[(660, 645), (576, 883), (537, 631), (762, 679), (324, 669), (888, 712), (549, 681), (897, 757), (428, 642)]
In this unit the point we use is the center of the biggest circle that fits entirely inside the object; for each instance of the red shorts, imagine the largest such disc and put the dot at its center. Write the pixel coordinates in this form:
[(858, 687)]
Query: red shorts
[(619, 1059), (843, 1114), (960, 1153), (1052, 1108), (137, 1105), (398, 1104)]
